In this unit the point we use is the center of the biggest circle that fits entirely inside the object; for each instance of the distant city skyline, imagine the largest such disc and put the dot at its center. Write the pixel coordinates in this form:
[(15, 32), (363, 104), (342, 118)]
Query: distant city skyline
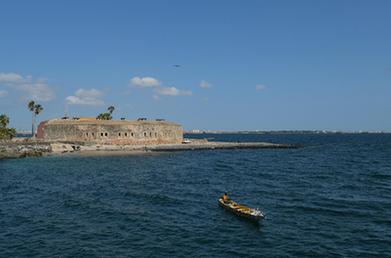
[(221, 65)]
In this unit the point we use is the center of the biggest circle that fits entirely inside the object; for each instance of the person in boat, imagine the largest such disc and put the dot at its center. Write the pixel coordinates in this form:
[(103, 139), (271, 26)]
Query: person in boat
[(225, 197)]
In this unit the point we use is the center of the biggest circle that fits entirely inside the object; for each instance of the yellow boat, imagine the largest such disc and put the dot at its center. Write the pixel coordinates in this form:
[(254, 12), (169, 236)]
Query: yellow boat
[(241, 210)]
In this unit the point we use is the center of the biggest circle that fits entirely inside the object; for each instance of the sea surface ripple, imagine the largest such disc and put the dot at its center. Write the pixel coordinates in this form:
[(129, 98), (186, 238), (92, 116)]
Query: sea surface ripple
[(330, 198)]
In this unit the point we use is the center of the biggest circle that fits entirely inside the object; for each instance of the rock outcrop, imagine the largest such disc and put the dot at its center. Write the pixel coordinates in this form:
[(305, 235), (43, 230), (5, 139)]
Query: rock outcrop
[(13, 149)]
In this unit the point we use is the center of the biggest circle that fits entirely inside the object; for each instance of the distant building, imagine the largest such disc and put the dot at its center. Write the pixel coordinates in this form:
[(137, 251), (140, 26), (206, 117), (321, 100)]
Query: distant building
[(111, 131)]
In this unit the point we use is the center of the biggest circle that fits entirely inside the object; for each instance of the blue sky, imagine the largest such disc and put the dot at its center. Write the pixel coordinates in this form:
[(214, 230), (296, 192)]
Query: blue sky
[(244, 65)]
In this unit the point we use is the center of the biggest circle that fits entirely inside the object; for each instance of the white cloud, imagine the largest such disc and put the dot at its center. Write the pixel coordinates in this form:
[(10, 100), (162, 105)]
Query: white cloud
[(3, 93), (205, 85), (37, 89), (144, 82), (157, 87), (172, 91), (260, 87), (10, 77), (91, 97)]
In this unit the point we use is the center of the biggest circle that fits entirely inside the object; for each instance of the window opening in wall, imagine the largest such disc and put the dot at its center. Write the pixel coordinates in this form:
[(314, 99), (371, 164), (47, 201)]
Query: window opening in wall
[(93, 134), (101, 134), (150, 134), (119, 134), (126, 134), (145, 134), (105, 134), (156, 135), (132, 134), (87, 134)]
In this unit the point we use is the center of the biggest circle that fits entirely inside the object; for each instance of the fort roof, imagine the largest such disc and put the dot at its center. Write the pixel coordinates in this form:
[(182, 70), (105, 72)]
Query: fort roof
[(109, 122)]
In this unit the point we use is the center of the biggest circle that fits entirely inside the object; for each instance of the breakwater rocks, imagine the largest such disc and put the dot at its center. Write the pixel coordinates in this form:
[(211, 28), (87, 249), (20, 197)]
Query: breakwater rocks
[(29, 148), (13, 150), (186, 146), (205, 145)]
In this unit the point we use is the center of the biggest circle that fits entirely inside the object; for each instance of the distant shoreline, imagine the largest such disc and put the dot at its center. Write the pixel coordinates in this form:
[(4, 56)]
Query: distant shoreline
[(283, 132), (263, 132)]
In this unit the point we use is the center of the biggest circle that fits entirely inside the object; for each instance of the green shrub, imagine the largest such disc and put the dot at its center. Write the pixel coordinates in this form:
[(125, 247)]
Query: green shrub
[(5, 132)]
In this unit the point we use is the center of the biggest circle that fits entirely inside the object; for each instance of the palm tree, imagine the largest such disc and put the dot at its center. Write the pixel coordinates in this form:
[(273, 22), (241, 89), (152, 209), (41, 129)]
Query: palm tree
[(35, 109), (30, 106), (111, 109), (38, 109), (106, 115)]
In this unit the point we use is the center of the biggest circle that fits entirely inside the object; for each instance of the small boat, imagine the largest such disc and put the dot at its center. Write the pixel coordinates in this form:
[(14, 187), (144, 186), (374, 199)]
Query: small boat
[(241, 210)]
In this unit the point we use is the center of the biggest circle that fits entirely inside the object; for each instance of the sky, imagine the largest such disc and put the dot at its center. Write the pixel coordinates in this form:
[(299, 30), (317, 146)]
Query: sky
[(212, 65)]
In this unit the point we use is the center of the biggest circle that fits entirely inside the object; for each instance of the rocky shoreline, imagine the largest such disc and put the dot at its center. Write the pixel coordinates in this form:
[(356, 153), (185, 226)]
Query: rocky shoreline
[(11, 150), (20, 148)]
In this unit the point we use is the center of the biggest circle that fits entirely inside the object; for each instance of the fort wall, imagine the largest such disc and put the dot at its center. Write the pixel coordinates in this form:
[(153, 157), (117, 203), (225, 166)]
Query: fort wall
[(111, 131)]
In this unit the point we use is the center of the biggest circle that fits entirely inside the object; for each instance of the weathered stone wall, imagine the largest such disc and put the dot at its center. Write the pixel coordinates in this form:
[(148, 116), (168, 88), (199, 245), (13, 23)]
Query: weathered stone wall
[(112, 132)]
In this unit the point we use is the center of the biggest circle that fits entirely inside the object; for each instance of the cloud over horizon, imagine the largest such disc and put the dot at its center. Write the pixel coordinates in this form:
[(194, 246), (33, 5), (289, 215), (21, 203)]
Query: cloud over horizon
[(37, 89), (86, 97)]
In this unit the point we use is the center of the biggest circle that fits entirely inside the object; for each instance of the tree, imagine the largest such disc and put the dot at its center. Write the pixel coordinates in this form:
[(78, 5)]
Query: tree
[(35, 109), (111, 109), (38, 109), (31, 106), (106, 115), (4, 120), (6, 133)]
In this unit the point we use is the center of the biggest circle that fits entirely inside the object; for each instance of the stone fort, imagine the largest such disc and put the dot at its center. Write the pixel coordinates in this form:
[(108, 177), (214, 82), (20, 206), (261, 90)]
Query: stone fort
[(137, 132)]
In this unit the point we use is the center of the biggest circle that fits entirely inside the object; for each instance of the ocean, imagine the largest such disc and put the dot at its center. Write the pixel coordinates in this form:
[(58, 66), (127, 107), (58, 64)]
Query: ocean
[(329, 198)]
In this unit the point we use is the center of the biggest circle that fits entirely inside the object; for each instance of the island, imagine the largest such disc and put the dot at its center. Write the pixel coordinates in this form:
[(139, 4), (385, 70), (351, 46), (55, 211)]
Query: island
[(88, 134)]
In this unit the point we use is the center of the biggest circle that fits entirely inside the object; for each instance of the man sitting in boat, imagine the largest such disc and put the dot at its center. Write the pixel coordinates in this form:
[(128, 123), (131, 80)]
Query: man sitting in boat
[(225, 197)]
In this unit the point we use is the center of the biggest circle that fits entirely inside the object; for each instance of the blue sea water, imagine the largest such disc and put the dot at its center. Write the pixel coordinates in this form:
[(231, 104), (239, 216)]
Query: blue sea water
[(329, 198)]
